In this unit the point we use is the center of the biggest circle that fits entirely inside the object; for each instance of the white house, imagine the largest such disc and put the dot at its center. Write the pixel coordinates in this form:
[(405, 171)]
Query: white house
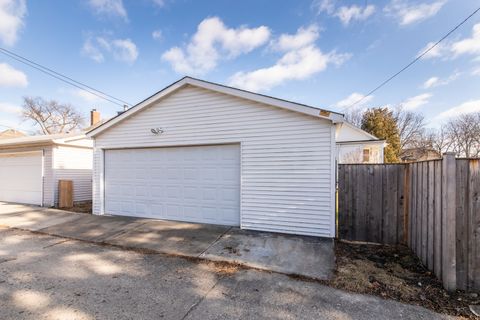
[(357, 146), (202, 152), (31, 166)]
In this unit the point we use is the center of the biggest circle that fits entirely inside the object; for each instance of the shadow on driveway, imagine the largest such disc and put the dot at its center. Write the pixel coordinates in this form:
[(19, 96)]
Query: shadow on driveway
[(298, 255)]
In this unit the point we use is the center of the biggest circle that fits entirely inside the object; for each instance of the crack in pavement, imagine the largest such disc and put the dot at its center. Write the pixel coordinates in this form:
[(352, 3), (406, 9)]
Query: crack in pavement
[(216, 240), (196, 304), (60, 242)]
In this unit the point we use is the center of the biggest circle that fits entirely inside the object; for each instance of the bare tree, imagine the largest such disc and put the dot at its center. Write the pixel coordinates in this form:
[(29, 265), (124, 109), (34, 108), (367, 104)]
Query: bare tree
[(439, 139), (354, 116), (51, 116), (411, 127), (463, 133)]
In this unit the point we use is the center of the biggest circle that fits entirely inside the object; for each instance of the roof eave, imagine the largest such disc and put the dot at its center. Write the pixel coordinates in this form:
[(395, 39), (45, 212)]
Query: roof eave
[(384, 142), (27, 144)]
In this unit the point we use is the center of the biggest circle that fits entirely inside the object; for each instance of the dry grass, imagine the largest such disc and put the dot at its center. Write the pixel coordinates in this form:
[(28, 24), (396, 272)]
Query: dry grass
[(395, 273), (81, 207)]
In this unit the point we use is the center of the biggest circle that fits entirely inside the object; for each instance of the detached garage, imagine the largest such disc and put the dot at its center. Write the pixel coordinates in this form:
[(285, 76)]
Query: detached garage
[(31, 166), (202, 152), (21, 176)]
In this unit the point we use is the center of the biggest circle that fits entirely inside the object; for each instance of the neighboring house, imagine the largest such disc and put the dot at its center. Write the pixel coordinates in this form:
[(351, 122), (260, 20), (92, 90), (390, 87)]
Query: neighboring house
[(357, 146), (11, 133), (30, 168), (419, 154), (202, 152)]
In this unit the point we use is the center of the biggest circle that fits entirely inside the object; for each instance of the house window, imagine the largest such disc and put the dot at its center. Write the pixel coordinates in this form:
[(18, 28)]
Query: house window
[(366, 155)]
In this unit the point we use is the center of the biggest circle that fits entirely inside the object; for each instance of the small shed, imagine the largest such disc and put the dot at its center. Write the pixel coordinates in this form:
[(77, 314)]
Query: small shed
[(31, 166)]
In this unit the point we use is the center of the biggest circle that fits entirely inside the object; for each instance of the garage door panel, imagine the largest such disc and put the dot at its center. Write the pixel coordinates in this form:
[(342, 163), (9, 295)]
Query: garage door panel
[(196, 184), (21, 177)]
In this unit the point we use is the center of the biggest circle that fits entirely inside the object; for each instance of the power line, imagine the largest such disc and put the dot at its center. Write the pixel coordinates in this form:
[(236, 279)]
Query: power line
[(414, 60), (64, 78)]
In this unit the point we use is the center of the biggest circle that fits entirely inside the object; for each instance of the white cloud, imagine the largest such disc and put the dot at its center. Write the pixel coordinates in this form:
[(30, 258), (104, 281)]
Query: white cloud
[(327, 6), (454, 49), (468, 45), (431, 82), (440, 50), (159, 3), (353, 98), (85, 95), (301, 60), (436, 81), (466, 107), (11, 77), (294, 65), (417, 101), (109, 7), (303, 37), (6, 107), (408, 13), (157, 34), (91, 50), (123, 50), (212, 41), (346, 14), (12, 13), (476, 71), (354, 13)]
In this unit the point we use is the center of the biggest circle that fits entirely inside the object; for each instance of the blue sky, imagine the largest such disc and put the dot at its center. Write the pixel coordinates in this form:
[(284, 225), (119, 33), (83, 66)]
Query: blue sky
[(325, 53)]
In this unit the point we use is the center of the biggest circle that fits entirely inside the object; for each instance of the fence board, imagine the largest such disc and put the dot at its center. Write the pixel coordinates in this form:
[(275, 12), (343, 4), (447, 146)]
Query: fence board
[(433, 206), (462, 224), (430, 208), (424, 193), (474, 223), (419, 210), (437, 232), (413, 206), (373, 209)]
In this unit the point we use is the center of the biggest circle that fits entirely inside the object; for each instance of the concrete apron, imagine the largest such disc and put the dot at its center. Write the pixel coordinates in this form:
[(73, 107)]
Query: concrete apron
[(288, 254)]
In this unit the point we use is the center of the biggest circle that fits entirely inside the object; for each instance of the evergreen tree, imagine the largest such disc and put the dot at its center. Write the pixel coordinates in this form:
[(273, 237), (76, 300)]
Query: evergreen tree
[(381, 123)]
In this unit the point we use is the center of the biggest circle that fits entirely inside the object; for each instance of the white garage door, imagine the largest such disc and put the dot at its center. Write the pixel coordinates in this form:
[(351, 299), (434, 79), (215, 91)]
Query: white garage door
[(21, 177), (195, 184)]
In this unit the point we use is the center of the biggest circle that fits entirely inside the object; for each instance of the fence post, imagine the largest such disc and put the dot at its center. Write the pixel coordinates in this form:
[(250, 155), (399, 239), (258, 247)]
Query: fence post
[(449, 275), (406, 206)]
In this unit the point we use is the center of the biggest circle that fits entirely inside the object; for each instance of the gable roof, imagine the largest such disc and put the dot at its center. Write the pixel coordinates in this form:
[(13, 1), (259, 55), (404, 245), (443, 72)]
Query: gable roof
[(11, 133), (362, 135), (335, 117), (61, 138)]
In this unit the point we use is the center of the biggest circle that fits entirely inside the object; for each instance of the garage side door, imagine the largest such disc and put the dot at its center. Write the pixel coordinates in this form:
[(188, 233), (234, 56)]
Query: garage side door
[(194, 184), (21, 177)]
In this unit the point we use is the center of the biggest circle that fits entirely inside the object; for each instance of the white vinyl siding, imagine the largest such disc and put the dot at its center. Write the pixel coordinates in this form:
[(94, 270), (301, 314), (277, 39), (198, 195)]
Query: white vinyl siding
[(286, 157), (354, 152), (63, 162), (74, 163)]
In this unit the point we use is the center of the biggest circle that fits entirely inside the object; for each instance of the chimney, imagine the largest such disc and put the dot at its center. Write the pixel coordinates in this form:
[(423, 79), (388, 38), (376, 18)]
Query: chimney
[(94, 117)]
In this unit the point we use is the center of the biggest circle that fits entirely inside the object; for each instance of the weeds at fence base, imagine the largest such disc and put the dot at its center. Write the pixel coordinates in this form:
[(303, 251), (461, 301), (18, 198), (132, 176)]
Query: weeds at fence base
[(396, 273)]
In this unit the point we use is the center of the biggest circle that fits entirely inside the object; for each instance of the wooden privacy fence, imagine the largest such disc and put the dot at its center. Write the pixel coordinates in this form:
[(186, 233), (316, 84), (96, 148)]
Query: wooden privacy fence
[(371, 203), (431, 206)]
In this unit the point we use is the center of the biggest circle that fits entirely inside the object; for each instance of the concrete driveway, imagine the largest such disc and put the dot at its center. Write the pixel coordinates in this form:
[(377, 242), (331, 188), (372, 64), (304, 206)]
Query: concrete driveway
[(305, 256), (47, 277)]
